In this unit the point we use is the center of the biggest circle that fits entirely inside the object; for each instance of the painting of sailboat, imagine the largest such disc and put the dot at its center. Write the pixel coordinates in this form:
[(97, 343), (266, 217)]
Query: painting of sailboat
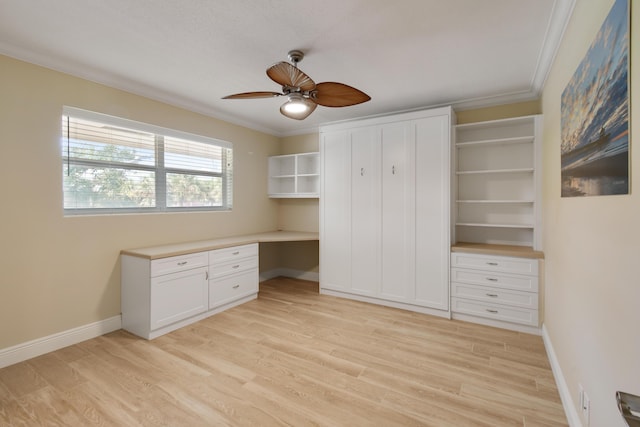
[(595, 114)]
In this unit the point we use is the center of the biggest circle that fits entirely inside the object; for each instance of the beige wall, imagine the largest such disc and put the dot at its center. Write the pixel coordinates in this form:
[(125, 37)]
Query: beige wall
[(498, 112), (591, 247), (59, 273)]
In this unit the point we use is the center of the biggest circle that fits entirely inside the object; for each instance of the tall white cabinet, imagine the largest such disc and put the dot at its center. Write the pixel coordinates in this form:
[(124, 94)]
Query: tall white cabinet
[(385, 210), (497, 247)]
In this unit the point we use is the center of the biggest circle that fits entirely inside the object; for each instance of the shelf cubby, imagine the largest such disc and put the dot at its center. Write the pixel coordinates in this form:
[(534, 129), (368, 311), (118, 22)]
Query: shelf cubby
[(294, 176), (496, 182)]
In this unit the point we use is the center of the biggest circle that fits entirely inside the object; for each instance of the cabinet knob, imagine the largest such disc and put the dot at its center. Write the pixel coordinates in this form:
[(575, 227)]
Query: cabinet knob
[(236, 286), (492, 263), (492, 311), (236, 253), (183, 263), (492, 295), (492, 279), (236, 266)]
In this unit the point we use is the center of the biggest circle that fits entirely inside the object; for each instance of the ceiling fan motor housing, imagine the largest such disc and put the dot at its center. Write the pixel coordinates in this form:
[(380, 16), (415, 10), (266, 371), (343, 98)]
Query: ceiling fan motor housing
[(295, 56)]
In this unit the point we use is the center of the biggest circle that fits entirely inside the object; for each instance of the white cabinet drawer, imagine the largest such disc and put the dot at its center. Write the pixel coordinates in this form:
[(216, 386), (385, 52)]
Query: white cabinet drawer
[(231, 288), (495, 311), (495, 263), (495, 295), (178, 296), (223, 256), (178, 263), (235, 266), (497, 280)]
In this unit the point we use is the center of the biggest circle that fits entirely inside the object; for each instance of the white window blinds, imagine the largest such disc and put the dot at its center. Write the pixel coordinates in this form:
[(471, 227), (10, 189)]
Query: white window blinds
[(113, 165)]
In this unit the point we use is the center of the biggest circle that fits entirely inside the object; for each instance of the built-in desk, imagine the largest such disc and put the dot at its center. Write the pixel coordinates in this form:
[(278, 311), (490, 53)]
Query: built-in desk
[(170, 286), (164, 251)]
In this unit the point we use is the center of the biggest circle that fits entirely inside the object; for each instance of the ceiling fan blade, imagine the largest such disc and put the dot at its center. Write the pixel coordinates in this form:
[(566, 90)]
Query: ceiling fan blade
[(286, 74), (250, 95), (311, 106), (331, 94)]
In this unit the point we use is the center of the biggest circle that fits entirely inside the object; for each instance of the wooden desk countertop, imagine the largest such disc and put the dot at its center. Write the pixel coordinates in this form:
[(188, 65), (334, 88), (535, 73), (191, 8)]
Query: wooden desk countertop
[(164, 251), (502, 250)]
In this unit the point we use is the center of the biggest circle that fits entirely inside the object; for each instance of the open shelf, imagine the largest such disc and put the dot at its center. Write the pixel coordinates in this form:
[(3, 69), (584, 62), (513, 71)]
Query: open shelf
[(294, 176), (477, 172), (478, 224), (500, 141), (496, 182), (509, 202)]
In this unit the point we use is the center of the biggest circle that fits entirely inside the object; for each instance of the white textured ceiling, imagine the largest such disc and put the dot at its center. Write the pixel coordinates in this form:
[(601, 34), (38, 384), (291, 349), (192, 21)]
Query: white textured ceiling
[(405, 54)]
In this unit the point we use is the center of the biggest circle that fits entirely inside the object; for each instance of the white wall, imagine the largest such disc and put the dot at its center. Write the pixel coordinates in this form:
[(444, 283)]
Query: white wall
[(57, 272), (592, 247)]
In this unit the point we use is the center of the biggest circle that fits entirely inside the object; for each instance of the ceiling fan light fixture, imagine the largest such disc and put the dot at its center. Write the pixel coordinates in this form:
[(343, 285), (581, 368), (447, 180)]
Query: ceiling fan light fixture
[(297, 107), (296, 104)]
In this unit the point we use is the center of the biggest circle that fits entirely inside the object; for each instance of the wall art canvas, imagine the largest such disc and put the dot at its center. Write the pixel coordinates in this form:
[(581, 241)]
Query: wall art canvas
[(595, 114)]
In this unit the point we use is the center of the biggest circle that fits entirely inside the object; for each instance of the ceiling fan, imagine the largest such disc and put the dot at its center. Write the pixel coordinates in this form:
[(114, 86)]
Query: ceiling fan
[(303, 94)]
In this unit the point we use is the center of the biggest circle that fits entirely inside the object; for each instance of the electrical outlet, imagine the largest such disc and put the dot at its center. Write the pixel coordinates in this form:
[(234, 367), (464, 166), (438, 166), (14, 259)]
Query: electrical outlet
[(580, 396), (586, 408), (584, 403)]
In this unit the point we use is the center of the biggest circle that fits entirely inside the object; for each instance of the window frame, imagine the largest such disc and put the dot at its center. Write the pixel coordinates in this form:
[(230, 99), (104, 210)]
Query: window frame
[(159, 169)]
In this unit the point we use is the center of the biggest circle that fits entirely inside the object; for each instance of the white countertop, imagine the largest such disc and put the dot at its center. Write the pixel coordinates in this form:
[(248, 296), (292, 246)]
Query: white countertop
[(164, 251)]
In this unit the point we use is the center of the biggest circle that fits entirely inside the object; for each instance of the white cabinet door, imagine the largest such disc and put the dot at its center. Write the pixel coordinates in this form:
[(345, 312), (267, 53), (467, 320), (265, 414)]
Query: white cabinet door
[(177, 296), (393, 245), (432, 211), (365, 210), (398, 169), (335, 211)]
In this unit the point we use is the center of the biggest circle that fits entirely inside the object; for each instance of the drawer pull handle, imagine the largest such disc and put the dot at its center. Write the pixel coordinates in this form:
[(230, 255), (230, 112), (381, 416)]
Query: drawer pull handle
[(236, 266), (492, 311), (206, 275), (492, 295), (492, 263), (236, 253), (492, 279), (236, 286), (183, 263)]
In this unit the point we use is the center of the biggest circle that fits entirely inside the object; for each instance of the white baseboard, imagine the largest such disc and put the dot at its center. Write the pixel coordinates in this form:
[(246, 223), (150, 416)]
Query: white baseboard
[(37, 347), (379, 301), (563, 389), (40, 346), (313, 276)]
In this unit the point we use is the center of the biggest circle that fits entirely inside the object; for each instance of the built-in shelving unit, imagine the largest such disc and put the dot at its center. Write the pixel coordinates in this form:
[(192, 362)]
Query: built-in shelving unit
[(496, 182), (294, 176)]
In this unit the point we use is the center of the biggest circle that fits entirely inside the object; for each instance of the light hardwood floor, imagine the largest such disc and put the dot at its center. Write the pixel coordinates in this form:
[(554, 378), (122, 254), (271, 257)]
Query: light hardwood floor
[(292, 357)]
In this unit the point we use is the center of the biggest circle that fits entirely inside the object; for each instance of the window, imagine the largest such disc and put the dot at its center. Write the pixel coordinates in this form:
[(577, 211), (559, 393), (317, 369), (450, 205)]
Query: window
[(113, 165)]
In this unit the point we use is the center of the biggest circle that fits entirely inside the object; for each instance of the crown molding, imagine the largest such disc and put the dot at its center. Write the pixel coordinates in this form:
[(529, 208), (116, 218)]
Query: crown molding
[(558, 22), (98, 76)]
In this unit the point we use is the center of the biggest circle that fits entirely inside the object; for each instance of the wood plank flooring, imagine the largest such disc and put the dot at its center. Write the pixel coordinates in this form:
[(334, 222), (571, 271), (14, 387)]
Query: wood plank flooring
[(292, 358)]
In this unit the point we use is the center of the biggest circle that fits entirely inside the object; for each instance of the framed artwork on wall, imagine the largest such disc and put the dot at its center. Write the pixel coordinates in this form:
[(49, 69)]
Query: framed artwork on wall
[(595, 114)]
